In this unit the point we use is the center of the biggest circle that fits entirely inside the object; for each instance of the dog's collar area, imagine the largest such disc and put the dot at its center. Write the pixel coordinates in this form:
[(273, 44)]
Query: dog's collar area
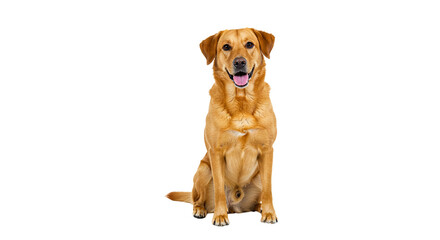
[(241, 74)]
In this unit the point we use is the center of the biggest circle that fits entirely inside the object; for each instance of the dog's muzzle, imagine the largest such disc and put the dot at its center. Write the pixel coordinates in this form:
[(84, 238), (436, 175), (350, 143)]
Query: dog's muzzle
[(241, 79)]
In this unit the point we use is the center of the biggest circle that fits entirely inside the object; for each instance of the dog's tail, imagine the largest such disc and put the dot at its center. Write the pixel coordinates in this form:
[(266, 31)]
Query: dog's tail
[(180, 196)]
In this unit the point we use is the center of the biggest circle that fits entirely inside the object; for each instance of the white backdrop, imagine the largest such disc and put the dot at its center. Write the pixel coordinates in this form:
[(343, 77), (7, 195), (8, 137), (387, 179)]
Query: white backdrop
[(103, 103)]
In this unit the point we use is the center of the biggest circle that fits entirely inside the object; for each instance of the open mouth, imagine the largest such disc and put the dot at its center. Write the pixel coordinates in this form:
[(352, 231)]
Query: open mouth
[(241, 79)]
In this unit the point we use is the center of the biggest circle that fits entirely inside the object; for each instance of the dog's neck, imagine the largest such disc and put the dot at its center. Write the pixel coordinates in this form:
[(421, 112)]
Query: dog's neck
[(239, 100)]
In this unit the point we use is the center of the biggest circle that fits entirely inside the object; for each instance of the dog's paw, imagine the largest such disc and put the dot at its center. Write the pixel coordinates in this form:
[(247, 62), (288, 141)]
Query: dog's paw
[(269, 217), (199, 212), (220, 219)]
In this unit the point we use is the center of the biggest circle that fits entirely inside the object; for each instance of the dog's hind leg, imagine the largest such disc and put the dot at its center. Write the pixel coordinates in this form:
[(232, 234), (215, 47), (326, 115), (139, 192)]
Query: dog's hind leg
[(202, 178)]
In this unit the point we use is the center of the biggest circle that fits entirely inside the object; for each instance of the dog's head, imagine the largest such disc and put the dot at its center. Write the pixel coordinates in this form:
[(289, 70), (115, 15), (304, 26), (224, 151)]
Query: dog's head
[(238, 53)]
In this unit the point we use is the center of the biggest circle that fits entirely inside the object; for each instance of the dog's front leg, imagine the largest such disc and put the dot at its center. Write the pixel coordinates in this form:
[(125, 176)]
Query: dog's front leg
[(217, 167), (265, 163)]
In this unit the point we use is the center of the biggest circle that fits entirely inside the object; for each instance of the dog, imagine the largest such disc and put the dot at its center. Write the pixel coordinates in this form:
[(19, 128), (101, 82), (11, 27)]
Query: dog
[(235, 174)]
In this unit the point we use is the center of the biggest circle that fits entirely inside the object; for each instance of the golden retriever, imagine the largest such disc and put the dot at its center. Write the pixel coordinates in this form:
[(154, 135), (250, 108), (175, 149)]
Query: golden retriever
[(235, 174)]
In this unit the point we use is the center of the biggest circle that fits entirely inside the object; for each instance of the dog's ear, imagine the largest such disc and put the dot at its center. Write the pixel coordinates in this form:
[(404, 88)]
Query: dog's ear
[(266, 41), (209, 47)]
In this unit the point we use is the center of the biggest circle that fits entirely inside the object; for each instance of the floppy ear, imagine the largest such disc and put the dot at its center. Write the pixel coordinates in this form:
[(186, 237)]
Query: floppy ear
[(209, 47), (266, 42)]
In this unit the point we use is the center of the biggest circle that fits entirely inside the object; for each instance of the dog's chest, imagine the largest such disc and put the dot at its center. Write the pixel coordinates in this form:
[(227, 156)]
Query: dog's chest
[(241, 164), (241, 123), (241, 155)]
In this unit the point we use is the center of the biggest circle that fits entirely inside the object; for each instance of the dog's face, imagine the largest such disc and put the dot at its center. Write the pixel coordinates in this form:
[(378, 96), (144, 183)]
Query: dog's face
[(238, 53)]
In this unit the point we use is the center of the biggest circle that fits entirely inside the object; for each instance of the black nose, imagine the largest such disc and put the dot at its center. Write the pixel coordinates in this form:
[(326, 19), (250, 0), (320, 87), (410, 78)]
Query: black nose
[(239, 62)]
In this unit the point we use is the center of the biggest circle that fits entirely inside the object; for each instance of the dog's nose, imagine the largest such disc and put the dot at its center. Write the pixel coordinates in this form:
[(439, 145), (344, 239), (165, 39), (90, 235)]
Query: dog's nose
[(239, 62)]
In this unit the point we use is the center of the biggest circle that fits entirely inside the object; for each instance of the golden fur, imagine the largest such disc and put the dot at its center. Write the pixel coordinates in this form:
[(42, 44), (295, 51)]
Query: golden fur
[(235, 174)]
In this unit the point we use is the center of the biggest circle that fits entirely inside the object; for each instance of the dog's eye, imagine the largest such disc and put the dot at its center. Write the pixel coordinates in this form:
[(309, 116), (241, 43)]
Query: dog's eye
[(226, 47), (249, 45)]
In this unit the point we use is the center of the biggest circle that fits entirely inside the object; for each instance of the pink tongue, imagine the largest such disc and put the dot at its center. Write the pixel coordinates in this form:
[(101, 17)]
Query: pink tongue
[(241, 80)]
